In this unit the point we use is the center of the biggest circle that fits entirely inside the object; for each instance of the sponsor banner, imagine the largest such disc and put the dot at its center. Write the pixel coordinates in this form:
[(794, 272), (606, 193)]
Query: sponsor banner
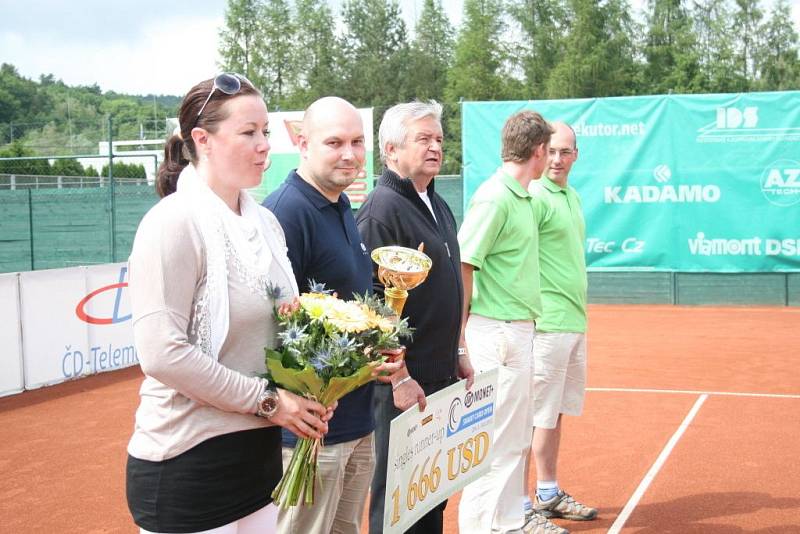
[(285, 155), (656, 173), (11, 356), (75, 322), (435, 453)]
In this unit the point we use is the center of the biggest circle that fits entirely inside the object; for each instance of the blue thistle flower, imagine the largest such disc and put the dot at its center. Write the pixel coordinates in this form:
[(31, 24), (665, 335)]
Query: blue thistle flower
[(274, 291), (317, 287), (292, 335), (321, 360), (343, 343)]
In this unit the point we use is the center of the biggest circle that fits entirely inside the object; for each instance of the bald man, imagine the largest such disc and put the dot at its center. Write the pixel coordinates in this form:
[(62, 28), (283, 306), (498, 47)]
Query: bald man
[(324, 245), (559, 351)]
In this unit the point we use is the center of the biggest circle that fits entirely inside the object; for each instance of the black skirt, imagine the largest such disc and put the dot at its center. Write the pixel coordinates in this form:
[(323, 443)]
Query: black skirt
[(219, 481)]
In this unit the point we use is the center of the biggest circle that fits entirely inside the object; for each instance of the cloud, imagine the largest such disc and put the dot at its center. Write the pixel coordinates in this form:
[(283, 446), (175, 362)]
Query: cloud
[(165, 56)]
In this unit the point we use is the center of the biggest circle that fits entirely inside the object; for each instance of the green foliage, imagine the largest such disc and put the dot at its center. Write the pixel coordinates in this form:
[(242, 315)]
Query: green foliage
[(126, 170), (599, 56), (375, 52), (296, 51), (431, 52), (477, 71), (317, 54), (780, 66), (671, 49), (242, 45)]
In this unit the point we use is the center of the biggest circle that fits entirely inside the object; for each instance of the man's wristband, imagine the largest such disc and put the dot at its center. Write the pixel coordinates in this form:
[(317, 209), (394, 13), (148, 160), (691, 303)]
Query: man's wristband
[(401, 382)]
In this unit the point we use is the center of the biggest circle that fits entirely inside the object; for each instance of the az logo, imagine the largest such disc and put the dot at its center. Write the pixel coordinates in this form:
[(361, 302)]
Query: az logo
[(780, 183), (729, 118), (783, 178)]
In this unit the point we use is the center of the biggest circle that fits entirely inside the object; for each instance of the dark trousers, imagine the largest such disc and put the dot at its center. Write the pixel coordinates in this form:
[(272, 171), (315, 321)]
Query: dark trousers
[(385, 411)]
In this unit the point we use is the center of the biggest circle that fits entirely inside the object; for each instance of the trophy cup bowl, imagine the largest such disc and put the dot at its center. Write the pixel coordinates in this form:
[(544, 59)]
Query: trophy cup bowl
[(400, 269)]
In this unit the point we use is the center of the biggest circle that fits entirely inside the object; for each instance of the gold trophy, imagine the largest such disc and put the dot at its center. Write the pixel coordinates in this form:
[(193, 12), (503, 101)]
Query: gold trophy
[(400, 269)]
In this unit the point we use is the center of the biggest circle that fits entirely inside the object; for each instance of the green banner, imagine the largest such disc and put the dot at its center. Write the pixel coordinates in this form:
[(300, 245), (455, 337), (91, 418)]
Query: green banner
[(677, 183)]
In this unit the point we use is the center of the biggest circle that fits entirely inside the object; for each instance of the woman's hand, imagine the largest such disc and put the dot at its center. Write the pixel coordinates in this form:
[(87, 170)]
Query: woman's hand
[(303, 417)]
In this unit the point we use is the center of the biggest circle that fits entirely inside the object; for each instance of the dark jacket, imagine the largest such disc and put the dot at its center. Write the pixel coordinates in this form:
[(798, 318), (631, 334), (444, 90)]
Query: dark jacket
[(394, 214)]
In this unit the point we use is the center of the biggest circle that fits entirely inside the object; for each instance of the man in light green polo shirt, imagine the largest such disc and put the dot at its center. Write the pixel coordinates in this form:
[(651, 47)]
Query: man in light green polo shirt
[(500, 268), (559, 353)]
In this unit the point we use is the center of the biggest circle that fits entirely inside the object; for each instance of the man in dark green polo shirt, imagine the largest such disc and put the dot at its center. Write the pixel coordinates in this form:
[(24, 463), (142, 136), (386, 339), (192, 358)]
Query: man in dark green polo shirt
[(559, 353)]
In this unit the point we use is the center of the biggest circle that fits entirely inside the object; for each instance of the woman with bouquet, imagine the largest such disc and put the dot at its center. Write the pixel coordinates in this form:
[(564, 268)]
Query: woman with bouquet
[(205, 454)]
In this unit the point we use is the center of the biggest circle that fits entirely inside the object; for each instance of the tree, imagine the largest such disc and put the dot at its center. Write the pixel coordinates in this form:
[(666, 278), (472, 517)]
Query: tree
[(747, 19), (780, 67), (712, 22), (543, 24), (317, 53), (673, 62), (242, 39), (276, 64), (477, 71), (599, 57), (375, 48), (431, 52)]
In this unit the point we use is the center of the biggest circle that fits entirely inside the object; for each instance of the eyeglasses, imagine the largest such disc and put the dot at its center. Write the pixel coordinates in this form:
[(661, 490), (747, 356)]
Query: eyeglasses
[(564, 152), (227, 82)]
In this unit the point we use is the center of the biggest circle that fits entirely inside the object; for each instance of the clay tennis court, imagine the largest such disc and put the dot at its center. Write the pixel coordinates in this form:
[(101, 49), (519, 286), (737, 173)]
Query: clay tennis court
[(692, 424)]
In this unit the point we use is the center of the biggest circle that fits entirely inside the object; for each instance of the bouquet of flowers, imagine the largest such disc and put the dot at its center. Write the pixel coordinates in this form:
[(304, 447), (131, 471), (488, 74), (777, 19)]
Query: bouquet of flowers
[(328, 347)]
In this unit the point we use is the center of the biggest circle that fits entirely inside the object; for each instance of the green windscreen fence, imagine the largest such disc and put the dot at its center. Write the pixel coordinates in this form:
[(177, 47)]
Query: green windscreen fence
[(701, 183), (53, 228)]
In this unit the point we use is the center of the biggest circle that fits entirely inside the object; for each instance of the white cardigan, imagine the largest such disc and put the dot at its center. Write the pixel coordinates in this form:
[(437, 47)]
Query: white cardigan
[(189, 396)]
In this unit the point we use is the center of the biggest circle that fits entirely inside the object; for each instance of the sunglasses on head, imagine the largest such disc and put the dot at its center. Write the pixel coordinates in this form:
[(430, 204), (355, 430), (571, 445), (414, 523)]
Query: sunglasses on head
[(227, 82)]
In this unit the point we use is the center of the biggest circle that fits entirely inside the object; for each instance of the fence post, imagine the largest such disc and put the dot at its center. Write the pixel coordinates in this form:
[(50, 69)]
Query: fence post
[(30, 223), (112, 215)]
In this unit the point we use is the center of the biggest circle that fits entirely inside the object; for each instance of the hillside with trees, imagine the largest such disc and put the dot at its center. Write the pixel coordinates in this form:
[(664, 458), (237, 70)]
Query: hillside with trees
[(296, 51)]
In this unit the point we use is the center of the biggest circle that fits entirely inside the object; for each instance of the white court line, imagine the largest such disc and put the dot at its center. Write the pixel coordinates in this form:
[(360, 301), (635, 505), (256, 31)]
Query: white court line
[(692, 392), (651, 474)]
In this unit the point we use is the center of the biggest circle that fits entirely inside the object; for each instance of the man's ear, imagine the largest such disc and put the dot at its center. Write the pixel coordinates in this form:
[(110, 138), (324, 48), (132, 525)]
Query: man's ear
[(302, 145), (391, 151)]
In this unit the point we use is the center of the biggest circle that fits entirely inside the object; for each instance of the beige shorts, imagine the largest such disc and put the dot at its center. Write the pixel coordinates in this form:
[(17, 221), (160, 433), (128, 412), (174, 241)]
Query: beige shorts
[(559, 376)]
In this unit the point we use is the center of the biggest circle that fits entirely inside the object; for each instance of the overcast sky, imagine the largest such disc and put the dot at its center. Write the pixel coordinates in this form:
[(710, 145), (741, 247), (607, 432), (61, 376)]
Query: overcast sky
[(141, 47)]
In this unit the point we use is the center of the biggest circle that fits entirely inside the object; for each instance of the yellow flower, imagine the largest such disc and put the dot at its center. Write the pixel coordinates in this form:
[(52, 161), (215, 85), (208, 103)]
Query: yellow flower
[(347, 317), (378, 321), (316, 305)]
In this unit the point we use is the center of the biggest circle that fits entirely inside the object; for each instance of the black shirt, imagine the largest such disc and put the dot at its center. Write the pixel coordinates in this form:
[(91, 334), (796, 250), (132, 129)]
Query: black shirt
[(324, 245)]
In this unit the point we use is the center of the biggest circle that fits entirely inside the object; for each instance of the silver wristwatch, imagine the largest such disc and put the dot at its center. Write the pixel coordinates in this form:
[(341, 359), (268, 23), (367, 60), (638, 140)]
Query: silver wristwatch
[(267, 403)]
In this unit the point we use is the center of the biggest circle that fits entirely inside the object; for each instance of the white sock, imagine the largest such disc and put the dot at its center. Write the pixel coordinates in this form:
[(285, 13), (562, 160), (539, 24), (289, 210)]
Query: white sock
[(546, 489)]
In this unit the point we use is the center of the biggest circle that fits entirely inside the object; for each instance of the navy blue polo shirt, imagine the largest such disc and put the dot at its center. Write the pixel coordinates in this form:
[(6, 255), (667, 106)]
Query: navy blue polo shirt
[(324, 245)]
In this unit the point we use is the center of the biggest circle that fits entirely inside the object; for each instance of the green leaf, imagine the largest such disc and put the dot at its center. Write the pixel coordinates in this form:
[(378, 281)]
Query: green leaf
[(341, 386)]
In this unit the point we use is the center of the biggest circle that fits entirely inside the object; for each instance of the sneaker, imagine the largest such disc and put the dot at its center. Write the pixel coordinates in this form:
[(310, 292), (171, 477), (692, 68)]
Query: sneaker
[(536, 523), (563, 505)]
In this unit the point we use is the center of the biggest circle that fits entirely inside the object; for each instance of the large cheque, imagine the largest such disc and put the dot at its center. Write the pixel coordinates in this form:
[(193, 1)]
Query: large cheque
[(435, 453)]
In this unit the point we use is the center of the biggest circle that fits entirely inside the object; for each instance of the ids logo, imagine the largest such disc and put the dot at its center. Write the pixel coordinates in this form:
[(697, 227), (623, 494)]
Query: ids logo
[(780, 183), (729, 118), (116, 290)]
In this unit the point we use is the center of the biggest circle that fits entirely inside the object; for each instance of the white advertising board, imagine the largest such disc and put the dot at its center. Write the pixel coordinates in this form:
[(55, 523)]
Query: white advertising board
[(11, 380), (435, 453), (75, 322)]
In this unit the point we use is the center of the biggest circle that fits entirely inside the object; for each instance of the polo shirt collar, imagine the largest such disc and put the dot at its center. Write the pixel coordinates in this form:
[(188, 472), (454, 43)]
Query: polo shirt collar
[(512, 184), (318, 200), (550, 185)]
